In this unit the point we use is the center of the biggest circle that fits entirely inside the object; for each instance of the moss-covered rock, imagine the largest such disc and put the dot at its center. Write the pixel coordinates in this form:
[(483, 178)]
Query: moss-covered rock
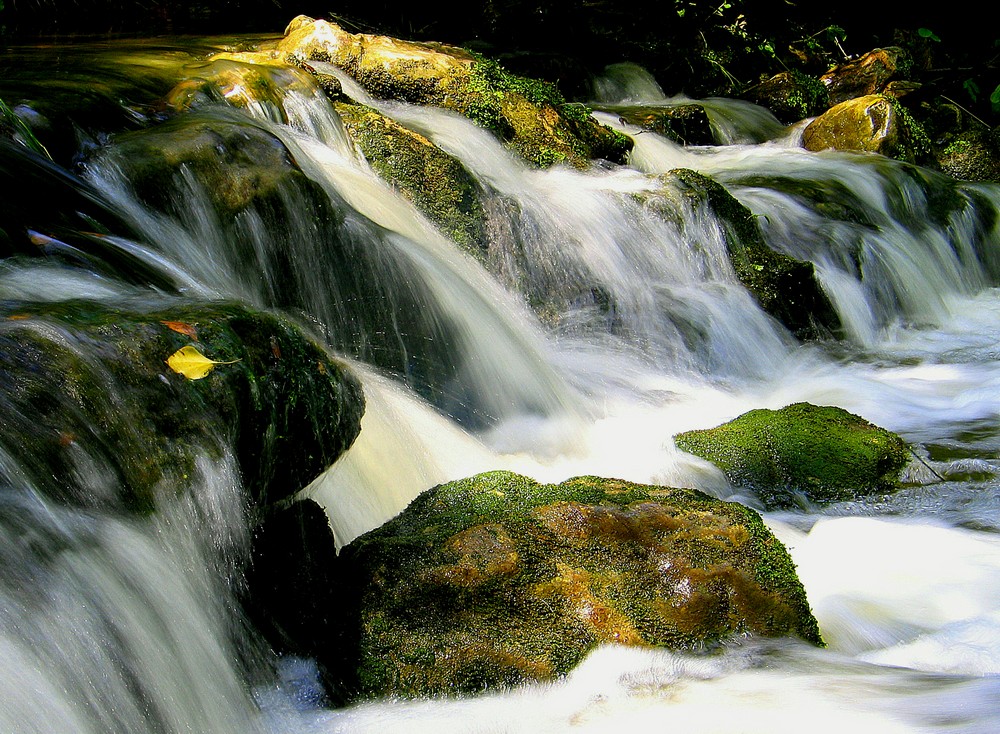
[(785, 288), (873, 124), (971, 155), (434, 181), (237, 165), (529, 115), (791, 96), (84, 386), (822, 453), (496, 580)]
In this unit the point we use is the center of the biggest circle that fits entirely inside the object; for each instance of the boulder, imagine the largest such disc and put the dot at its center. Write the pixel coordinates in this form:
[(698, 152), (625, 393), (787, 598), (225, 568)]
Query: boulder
[(496, 580), (868, 74), (971, 155), (820, 453), (435, 182), (874, 124), (86, 386), (791, 96), (529, 115), (785, 288)]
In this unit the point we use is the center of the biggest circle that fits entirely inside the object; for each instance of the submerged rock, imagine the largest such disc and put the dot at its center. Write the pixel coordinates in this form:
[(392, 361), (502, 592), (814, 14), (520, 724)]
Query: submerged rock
[(86, 386), (822, 453), (871, 124), (497, 580)]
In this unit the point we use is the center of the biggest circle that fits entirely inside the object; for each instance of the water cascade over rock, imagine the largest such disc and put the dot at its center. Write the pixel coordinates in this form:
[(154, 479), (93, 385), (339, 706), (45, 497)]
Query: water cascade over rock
[(287, 324)]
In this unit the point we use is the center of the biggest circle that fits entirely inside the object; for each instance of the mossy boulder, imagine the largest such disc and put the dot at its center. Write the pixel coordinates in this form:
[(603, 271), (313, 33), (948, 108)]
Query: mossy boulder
[(529, 115), (236, 164), (86, 386), (496, 580), (785, 288), (791, 96), (821, 453), (872, 124), (434, 181), (971, 155)]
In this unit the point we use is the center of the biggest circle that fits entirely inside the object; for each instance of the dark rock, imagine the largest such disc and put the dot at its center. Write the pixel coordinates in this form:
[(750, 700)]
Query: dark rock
[(791, 96), (87, 386), (785, 288), (686, 124)]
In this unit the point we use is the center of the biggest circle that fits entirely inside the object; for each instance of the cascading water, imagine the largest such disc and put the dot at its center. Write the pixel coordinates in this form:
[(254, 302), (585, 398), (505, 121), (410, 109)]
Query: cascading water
[(636, 334)]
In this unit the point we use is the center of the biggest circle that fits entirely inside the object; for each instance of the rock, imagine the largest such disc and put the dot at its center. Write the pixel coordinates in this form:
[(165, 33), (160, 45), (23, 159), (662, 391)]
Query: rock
[(686, 124), (821, 453), (791, 96), (497, 580), (85, 386), (785, 288), (434, 181), (531, 116), (238, 165), (973, 155), (874, 124), (868, 74), (291, 591)]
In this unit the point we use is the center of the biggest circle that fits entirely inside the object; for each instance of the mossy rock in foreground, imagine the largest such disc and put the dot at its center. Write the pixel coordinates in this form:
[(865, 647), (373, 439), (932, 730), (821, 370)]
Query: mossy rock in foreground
[(103, 420), (496, 580), (821, 452)]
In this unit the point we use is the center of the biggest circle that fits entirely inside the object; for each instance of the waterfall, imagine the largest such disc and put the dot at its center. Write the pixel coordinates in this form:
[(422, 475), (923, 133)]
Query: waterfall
[(603, 316)]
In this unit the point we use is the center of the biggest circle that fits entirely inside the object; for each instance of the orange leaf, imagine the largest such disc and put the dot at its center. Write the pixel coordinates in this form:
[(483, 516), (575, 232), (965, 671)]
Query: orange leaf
[(181, 328)]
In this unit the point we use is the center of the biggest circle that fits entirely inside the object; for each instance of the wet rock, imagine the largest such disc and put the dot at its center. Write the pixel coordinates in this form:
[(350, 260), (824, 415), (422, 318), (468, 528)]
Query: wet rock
[(686, 124), (820, 453), (434, 181), (291, 591), (791, 96), (86, 386), (972, 155), (868, 74), (529, 115), (497, 580), (785, 288), (873, 124)]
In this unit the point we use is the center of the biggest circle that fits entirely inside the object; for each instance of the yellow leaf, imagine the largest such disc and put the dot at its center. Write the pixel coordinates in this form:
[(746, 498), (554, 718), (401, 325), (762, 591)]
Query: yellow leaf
[(191, 363)]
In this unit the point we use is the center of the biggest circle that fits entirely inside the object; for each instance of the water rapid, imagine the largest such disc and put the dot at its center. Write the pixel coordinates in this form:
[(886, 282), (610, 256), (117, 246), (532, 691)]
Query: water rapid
[(594, 329)]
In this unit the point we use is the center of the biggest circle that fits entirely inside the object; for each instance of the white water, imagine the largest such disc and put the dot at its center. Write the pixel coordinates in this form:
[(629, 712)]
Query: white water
[(907, 590)]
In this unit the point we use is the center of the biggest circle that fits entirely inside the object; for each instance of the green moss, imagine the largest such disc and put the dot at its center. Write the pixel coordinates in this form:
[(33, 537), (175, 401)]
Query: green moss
[(823, 453), (497, 580), (435, 182)]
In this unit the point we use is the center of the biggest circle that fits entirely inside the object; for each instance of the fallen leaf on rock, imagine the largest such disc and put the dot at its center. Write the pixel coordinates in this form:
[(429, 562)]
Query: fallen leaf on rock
[(181, 328), (191, 363)]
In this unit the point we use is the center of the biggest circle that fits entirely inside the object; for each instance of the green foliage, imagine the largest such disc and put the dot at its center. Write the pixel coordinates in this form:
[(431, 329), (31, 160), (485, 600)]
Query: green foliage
[(995, 99), (928, 34)]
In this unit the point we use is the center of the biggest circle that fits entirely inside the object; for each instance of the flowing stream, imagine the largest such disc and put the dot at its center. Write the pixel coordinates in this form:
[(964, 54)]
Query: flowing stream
[(597, 330)]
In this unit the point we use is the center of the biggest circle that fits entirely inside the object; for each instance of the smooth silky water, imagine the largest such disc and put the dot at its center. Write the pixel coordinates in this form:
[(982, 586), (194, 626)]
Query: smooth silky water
[(129, 625)]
